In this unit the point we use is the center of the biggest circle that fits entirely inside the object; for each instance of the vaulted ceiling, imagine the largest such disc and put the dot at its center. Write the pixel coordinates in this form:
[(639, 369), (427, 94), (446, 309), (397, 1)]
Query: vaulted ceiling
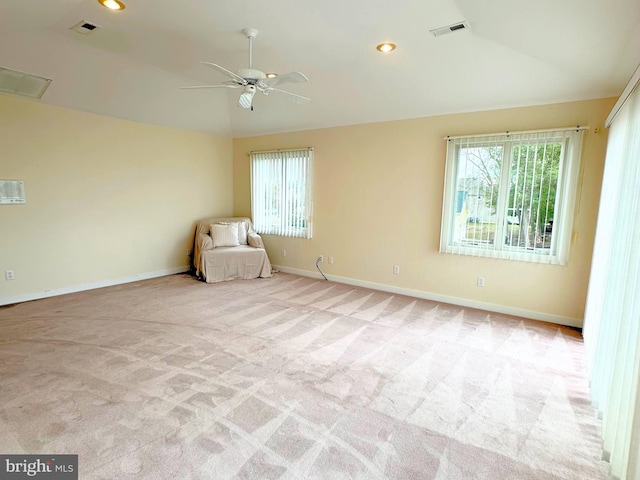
[(515, 53)]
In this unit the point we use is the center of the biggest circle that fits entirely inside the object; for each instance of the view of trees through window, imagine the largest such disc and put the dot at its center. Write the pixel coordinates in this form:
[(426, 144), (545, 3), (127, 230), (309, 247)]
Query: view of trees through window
[(512, 195), (512, 200)]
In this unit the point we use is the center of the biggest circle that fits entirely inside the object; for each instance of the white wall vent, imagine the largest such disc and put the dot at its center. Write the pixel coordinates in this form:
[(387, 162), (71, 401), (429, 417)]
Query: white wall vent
[(20, 83), (12, 192), (85, 28), (456, 27)]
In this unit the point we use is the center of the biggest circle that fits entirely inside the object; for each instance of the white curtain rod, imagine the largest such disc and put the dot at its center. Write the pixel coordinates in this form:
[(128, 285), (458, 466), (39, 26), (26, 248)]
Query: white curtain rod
[(283, 150), (626, 93), (564, 129)]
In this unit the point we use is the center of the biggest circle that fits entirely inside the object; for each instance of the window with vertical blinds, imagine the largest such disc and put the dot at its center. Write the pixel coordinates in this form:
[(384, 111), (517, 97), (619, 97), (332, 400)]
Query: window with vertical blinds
[(511, 195), (612, 316), (281, 201)]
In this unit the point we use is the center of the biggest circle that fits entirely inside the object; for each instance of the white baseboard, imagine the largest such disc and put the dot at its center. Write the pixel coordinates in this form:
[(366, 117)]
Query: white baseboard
[(463, 302), (90, 286)]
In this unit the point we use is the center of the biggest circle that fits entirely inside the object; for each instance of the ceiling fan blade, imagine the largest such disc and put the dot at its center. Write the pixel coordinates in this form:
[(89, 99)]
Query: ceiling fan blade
[(228, 73), (288, 95), (194, 87), (293, 77)]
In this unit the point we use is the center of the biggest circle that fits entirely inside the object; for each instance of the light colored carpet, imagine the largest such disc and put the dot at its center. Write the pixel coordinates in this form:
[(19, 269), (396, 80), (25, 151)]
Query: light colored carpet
[(292, 378)]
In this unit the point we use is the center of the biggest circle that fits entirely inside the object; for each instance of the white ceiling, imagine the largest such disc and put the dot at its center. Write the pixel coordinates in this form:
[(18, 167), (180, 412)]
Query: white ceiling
[(517, 53)]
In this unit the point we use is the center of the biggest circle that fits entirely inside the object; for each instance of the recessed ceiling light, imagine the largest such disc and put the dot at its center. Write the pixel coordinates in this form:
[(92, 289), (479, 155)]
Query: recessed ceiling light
[(386, 47), (271, 75), (112, 4)]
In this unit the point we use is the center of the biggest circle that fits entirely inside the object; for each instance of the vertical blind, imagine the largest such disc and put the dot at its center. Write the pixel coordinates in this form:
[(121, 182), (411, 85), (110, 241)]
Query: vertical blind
[(511, 195), (281, 201), (612, 317)]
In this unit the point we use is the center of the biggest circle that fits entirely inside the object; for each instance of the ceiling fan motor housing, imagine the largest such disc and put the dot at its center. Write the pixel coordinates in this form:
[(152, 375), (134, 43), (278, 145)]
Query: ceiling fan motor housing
[(251, 74)]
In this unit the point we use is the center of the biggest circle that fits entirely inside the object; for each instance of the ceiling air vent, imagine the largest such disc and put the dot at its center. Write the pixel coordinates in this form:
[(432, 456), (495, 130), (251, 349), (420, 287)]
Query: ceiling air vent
[(450, 28), (24, 84), (85, 28)]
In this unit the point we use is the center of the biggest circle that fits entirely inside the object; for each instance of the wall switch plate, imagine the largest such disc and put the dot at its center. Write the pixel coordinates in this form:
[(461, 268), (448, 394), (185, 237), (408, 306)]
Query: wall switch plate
[(9, 275), (396, 269), (283, 253), (330, 260), (480, 281)]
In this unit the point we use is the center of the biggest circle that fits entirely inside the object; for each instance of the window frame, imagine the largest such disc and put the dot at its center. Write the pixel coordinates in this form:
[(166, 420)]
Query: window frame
[(566, 193), (288, 164)]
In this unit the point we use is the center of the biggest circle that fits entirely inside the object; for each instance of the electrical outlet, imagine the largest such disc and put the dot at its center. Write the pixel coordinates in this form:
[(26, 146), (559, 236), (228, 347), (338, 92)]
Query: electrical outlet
[(9, 275), (480, 281), (396, 269), (283, 253), (330, 260), (320, 258)]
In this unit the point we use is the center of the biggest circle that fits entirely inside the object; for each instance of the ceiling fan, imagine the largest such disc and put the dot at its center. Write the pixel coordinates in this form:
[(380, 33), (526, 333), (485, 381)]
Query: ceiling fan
[(251, 80)]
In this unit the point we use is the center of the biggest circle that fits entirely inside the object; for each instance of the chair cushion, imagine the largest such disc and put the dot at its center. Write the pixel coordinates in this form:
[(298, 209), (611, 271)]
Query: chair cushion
[(242, 233), (224, 235), (255, 240)]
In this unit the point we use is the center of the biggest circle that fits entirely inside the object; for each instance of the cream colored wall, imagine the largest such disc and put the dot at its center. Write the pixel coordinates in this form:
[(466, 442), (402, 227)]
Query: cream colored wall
[(378, 201), (106, 198)]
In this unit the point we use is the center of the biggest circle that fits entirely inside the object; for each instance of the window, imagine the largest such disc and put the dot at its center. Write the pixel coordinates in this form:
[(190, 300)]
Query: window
[(281, 192), (511, 195)]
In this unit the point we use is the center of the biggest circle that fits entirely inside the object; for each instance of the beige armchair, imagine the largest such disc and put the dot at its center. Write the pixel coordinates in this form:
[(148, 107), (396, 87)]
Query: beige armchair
[(228, 249)]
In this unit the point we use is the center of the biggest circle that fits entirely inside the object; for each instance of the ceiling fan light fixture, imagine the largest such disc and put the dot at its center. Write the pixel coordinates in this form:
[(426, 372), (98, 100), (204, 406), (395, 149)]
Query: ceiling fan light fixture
[(386, 47), (112, 4), (246, 97), (271, 75)]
